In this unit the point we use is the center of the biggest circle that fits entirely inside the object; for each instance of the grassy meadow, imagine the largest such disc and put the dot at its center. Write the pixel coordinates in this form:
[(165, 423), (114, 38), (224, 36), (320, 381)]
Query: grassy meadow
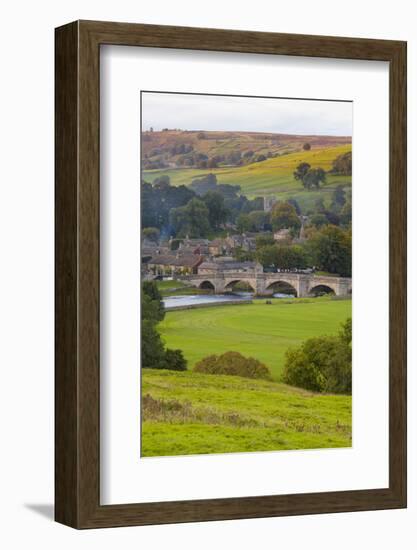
[(257, 330), (270, 177), (186, 413)]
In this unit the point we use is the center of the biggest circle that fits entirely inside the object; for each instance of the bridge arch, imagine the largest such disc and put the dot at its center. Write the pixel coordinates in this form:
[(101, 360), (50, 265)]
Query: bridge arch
[(320, 289), (232, 283), (206, 285), (282, 286)]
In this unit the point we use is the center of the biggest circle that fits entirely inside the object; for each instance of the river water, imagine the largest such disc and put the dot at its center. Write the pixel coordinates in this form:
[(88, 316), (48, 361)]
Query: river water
[(176, 301)]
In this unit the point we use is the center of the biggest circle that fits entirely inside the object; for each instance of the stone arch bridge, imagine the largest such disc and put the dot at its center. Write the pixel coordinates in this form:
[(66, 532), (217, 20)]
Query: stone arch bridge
[(265, 284)]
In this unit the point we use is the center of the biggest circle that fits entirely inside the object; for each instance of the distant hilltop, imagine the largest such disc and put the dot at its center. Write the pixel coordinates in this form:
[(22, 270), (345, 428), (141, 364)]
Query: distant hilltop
[(229, 147)]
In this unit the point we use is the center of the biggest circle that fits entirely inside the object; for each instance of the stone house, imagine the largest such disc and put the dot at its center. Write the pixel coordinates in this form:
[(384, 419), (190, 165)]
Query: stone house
[(168, 265), (282, 235)]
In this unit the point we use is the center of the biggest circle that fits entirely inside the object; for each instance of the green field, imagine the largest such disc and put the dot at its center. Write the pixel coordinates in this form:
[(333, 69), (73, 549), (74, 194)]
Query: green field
[(271, 177), (257, 330), (186, 413)]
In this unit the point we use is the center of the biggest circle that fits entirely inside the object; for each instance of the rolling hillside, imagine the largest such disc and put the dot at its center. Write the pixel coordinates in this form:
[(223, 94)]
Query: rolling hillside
[(187, 413), (215, 143), (273, 176)]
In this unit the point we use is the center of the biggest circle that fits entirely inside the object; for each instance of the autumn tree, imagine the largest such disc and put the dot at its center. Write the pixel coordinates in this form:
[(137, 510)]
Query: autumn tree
[(284, 216), (343, 164), (331, 250)]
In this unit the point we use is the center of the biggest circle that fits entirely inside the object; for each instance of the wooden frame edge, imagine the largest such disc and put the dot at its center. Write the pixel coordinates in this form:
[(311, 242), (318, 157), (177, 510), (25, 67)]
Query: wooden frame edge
[(77, 274)]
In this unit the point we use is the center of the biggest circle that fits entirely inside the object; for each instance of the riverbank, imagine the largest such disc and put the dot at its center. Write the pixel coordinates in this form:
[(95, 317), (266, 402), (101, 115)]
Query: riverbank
[(209, 304)]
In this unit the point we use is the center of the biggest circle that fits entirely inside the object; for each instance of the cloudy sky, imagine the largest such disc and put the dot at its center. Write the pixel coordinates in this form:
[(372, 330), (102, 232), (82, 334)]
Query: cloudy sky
[(285, 116)]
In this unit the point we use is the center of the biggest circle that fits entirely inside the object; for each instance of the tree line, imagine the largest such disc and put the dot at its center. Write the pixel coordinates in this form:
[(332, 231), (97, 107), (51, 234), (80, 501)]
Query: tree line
[(328, 249), (197, 211)]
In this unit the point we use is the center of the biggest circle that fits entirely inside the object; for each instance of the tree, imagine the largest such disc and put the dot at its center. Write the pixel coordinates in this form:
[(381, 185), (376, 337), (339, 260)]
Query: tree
[(301, 171), (175, 360), (264, 240), (297, 207), (319, 220), (283, 256), (306, 147), (331, 250), (150, 310), (267, 255), (319, 206), (161, 182), (158, 199), (346, 213), (309, 177), (345, 333), (154, 356), (242, 255), (191, 220), (343, 164), (322, 364), (151, 233), (152, 305), (152, 348), (243, 223), (313, 178), (338, 199), (259, 219), (204, 184), (217, 212), (284, 216), (212, 163)]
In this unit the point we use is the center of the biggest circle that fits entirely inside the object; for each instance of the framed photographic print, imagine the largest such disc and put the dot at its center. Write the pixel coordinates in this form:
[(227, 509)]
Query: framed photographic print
[(230, 274)]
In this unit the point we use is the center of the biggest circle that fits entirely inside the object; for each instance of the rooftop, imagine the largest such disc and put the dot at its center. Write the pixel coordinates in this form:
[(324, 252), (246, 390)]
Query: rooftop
[(185, 260)]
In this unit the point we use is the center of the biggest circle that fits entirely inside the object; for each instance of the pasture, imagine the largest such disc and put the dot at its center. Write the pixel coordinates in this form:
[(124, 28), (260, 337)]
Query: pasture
[(258, 330), (186, 413), (270, 177)]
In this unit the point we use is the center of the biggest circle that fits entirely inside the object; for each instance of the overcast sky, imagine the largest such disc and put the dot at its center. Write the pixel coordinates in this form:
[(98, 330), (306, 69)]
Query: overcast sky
[(250, 114)]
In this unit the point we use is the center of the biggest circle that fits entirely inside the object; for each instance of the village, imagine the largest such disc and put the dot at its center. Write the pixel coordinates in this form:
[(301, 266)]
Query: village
[(171, 258), (204, 256)]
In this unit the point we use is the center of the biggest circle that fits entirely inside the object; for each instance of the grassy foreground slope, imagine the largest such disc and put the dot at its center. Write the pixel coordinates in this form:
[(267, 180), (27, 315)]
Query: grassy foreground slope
[(270, 177), (189, 413), (257, 330)]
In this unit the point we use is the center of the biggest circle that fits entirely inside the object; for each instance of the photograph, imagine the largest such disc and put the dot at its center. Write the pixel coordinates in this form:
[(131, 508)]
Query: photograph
[(246, 274)]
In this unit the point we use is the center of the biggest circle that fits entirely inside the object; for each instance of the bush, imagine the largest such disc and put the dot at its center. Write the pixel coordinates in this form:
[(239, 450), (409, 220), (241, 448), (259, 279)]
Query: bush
[(175, 360), (233, 363), (322, 364)]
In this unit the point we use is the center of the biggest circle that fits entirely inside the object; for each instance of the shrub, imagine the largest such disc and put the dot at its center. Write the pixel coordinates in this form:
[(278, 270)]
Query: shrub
[(321, 364), (175, 360), (233, 363)]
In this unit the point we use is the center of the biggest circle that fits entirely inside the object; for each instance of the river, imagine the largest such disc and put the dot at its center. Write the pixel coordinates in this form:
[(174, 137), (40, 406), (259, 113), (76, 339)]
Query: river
[(193, 300)]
